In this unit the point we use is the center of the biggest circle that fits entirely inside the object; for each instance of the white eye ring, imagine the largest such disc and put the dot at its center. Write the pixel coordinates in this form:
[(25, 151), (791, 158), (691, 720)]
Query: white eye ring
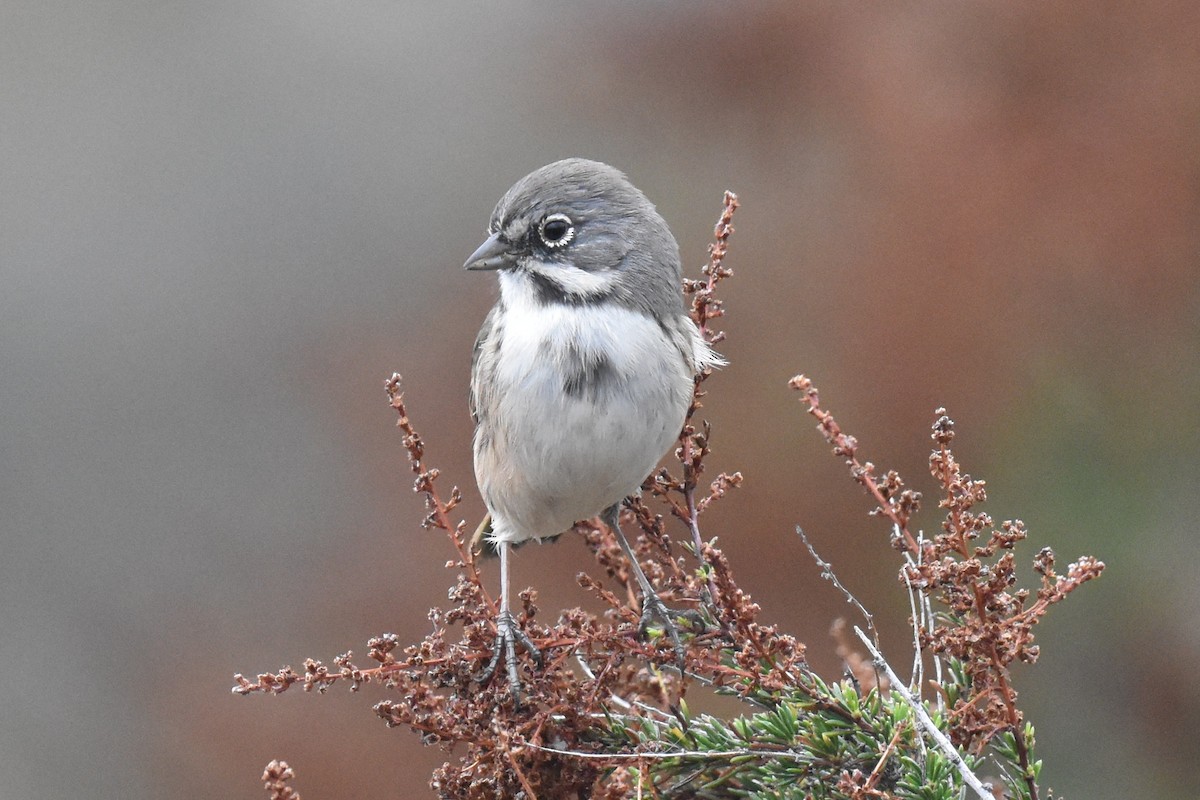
[(565, 238)]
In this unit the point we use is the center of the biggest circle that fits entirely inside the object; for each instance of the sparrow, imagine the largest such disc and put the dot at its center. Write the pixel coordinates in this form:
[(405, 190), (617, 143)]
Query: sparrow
[(583, 371)]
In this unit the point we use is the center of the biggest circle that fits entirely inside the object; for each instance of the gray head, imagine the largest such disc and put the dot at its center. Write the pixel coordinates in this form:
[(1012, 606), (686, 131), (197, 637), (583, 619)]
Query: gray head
[(579, 232)]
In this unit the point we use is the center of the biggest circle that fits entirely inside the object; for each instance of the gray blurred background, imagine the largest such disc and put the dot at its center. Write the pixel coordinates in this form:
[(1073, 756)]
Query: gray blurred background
[(223, 224)]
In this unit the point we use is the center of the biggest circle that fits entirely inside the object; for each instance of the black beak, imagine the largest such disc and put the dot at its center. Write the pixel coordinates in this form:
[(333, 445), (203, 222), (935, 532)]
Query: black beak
[(492, 254)]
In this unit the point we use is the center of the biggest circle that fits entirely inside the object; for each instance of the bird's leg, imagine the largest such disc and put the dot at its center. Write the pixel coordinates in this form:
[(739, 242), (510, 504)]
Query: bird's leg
[(652, 605), (508, 633)]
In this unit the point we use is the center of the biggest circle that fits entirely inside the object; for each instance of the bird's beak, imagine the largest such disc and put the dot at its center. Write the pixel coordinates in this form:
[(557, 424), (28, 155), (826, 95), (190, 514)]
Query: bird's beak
[(494, 253)]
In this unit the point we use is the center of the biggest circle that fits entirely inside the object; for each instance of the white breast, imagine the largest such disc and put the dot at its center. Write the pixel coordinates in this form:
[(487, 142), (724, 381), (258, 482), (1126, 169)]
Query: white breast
[(553, 457)]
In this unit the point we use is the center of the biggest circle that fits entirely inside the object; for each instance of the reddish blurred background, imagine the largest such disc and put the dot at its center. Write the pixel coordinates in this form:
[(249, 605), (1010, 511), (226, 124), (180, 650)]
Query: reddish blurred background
[(222, 225)]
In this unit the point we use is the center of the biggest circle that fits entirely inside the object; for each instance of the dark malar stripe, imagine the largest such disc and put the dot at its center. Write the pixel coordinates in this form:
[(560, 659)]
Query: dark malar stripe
[(550, 292)]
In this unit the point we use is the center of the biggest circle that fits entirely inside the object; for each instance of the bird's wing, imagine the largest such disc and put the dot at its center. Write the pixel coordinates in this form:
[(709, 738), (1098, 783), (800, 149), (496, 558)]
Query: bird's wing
[(479, 381)]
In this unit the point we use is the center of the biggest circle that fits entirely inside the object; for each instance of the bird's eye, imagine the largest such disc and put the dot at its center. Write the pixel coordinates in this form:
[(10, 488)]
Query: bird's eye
[(556, 230)]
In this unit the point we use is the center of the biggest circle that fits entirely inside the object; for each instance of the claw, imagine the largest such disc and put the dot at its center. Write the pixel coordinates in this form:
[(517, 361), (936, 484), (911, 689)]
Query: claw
[(508, 634), (654, 608)]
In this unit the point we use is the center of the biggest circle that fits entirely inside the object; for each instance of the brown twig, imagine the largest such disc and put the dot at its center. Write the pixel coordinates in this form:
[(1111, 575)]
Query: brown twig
[(439, 510), (892, 499)]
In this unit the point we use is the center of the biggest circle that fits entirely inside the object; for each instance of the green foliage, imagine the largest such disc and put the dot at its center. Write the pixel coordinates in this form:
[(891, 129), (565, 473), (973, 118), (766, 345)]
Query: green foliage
[(829, 742)]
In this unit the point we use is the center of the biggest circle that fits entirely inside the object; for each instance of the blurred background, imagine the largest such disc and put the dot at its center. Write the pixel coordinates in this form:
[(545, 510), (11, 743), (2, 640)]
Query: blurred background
[(222, 225)]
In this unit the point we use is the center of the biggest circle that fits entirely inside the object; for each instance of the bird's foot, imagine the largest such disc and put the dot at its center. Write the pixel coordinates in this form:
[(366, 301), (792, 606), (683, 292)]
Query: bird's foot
[(508, 634), (653, 608)]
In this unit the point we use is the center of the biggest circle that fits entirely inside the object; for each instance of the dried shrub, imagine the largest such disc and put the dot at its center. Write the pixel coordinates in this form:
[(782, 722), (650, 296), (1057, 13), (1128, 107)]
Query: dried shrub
[(605, 714)]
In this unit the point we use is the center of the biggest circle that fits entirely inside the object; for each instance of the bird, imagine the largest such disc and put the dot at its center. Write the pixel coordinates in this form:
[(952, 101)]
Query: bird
[(583, 371)]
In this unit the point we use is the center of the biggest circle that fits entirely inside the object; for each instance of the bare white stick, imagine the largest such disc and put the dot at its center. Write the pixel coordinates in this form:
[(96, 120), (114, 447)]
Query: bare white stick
[(937, 660), (827, 574), (923, 718), (929, 622), (768, 755), (918, 658), (621, 701)]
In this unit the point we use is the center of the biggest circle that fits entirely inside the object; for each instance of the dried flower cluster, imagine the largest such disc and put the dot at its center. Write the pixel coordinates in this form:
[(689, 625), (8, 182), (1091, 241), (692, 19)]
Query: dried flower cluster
[(604, 713), (275, 780)]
